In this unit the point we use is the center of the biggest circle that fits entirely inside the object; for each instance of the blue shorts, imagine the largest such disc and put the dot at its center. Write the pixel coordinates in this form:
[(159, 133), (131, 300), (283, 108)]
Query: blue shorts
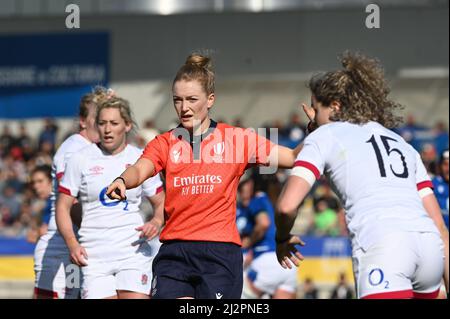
[(201, 270)]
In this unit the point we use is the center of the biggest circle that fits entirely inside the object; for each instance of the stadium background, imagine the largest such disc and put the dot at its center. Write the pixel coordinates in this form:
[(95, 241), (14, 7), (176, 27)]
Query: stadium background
[(265, 50)]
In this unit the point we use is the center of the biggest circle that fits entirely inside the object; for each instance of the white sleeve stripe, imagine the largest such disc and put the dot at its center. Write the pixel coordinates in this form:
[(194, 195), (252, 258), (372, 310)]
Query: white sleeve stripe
[(425, 192), (304, 173)]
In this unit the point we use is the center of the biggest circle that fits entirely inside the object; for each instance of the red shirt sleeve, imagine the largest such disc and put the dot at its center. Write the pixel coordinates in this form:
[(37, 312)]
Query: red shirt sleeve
[(157, 151), (258, 149)]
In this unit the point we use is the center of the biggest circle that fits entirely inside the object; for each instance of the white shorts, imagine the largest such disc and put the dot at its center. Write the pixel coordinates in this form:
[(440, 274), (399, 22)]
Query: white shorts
[(401, 265), (268, 276), (52, 266), (103, 278)]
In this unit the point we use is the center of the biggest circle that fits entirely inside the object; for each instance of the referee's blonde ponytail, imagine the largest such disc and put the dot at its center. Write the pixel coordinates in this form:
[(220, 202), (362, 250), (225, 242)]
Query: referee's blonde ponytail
[(198, 67)]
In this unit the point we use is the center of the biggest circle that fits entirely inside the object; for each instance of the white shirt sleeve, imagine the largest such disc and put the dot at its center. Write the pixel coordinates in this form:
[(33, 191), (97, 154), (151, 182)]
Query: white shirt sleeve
[(422, 178), (58, 162), (71, 181), (152, 186), (424, 184), (310, 162)]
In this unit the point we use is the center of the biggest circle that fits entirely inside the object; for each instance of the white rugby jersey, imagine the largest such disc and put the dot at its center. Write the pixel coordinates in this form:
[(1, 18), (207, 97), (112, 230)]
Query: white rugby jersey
[(375, 173), (71, 145), (108, 225)]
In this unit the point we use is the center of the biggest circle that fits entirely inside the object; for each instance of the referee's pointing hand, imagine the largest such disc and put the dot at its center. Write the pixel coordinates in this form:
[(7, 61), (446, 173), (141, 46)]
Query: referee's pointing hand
[(116, 190)]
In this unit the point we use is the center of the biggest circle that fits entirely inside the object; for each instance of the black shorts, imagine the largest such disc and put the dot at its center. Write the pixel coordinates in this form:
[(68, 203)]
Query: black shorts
[(201, 270)]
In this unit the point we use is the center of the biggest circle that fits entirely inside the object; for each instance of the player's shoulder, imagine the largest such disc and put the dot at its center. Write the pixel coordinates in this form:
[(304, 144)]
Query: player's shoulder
[(382, 130), (437, 179), (227, 128), (70, 145), (81, 154), (259, 198), (260, 195), (133, 150), (223, 126), (167, 136), (324, 132), (73, 143)]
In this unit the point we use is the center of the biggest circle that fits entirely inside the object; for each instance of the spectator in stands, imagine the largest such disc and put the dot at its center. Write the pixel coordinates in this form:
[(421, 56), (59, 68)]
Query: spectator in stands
[(309, 289), (24, 138), (409, 131), (343, 289), (45, 154), (283, 138), (10, 199), (440, 184), (429, 156), (6, 218), (6, 140), (149, 132), (48, 134), (325, 219), (25, 220), (440, 137), (238, 122), (295, 130)]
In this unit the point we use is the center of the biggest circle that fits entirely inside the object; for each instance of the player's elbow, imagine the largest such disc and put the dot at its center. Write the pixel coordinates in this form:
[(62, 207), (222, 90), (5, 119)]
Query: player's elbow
[(264, 225), (286, 208)]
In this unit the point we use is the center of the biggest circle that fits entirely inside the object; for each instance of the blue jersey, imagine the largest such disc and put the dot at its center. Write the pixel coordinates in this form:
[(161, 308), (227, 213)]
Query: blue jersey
[(47, 211), (261, 203), (441, 193), (244, 226)]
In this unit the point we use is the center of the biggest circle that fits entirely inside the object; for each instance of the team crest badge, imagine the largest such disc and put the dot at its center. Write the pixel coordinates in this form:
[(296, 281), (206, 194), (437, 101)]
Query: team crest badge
[(219, 149)]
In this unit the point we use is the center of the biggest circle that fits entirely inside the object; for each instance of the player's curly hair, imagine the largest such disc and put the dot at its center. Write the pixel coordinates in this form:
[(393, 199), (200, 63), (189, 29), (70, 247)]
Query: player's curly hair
[(360, 88), (198, 67)]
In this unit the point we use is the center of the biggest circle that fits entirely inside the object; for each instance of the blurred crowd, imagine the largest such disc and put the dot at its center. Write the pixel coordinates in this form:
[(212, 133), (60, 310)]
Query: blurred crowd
[(322, 214)]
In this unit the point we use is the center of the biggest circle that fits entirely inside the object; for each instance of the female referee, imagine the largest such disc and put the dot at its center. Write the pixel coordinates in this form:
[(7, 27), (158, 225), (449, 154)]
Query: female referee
[(202, 162)]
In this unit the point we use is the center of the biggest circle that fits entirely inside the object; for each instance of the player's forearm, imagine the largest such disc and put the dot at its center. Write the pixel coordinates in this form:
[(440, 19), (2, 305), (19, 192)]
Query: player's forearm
[(284, 221), (446, 274), (158, 208), (291, 196), (444, 235), (136, 174), (65, 226), (132, 177), (432, 207), (257, 234), (76, 213)]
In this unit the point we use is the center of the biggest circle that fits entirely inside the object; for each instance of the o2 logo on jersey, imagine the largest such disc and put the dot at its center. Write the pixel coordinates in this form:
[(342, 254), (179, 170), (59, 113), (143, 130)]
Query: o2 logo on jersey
[(376, 278), (102, 197)]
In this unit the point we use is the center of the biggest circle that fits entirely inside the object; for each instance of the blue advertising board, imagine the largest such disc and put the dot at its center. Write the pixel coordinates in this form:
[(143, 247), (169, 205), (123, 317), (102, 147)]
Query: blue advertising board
[(44, 75)]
